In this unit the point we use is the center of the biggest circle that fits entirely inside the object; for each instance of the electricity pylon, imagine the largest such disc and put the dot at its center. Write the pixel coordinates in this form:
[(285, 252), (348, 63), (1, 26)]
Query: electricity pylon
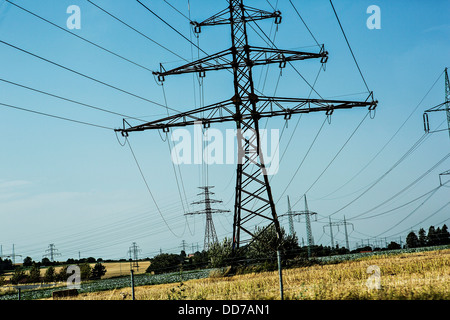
[(445, 106), (52, 252), (307, 215), (133, 251), (253, 197), (13, 255), (337, 224), (210, 230)]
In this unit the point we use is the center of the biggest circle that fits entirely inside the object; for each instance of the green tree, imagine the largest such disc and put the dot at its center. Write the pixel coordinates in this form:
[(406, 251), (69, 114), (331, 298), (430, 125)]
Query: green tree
[(98, 271), (62, 274), (46, 262), (50, 274), (165, 262), (432, 236), (393, 246), (423, 240), (411, 240), (266, 242), (18, 275), (27, 262), (219, 254), (85, 271), (35, 274), (444, 237)]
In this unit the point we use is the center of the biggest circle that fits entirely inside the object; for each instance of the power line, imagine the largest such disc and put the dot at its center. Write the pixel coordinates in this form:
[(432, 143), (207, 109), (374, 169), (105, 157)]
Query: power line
[(337, 154), (396, 208), (431, 215), (68, 100), (348, 44), (149, 190), (407, 187), (303, 160), (84, 75), (170, 26), (54, 116), (402, 158), (387, 143), (312, 35), (80, 37), (135, 30)]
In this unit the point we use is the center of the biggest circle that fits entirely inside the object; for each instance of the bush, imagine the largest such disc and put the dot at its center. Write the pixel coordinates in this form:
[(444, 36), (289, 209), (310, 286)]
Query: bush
[(85, 271), (220, 254), (98, 271), (165, 262), (18, 276), (265, 245), (50, 274), (35, 274)]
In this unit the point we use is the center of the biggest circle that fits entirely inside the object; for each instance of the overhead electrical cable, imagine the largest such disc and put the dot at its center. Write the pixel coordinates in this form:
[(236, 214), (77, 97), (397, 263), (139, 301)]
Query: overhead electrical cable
[(386, 144), (84, 75), (55, 116), (135, 30), (348, 44), (80, 37)]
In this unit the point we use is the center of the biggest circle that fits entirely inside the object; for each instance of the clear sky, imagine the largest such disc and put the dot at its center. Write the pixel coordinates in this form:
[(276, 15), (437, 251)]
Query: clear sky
[(74, 185)]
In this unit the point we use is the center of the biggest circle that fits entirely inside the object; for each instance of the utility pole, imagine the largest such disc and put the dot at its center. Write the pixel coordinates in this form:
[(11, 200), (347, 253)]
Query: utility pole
[(52, 252), (133, 251), (254, 202), (337, 224), (210, 230)]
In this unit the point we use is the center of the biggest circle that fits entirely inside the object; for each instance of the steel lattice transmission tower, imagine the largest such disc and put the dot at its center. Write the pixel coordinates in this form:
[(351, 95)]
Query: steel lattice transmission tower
[(52, 252), (337, 224), (210, 230), (445, 106), (133, 252), (307, 214), (253, 198)]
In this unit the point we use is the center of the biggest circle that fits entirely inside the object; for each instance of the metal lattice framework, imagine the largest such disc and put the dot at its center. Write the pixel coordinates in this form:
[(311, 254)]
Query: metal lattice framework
[(253, 196), (307, 213), (445, 106), (210, 230)]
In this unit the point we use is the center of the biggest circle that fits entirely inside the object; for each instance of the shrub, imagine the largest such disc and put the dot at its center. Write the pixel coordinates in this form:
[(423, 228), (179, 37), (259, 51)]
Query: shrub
[(165, 262)]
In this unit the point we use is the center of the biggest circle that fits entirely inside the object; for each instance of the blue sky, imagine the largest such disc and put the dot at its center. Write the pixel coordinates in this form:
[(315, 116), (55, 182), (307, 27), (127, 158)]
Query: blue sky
[(75, 186)]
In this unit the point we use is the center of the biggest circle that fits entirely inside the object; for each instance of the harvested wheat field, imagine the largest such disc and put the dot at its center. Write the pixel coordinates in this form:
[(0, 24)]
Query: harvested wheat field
[(422, 275)]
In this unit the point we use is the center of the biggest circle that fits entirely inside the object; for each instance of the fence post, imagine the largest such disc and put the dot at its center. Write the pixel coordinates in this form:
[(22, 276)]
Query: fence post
[(132, 283)]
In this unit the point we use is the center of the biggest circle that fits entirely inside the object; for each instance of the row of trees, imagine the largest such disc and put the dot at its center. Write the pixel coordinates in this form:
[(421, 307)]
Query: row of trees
[(33, 274), (262, 250), (434, 237)]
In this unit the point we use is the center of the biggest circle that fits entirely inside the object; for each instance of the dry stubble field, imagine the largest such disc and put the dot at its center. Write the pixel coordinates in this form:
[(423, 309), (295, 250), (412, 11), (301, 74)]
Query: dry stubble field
[(422, 275)]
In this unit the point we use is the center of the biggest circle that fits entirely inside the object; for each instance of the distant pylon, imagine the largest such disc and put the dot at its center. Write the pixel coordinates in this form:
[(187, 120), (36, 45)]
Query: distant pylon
[(12, 256), (133, 251), (307, 214), (337, 224), (210, 231), (52, 252)]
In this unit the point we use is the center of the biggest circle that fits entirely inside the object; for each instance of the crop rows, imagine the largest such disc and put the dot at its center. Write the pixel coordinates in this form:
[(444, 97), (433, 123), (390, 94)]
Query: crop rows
[(115, 283)]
